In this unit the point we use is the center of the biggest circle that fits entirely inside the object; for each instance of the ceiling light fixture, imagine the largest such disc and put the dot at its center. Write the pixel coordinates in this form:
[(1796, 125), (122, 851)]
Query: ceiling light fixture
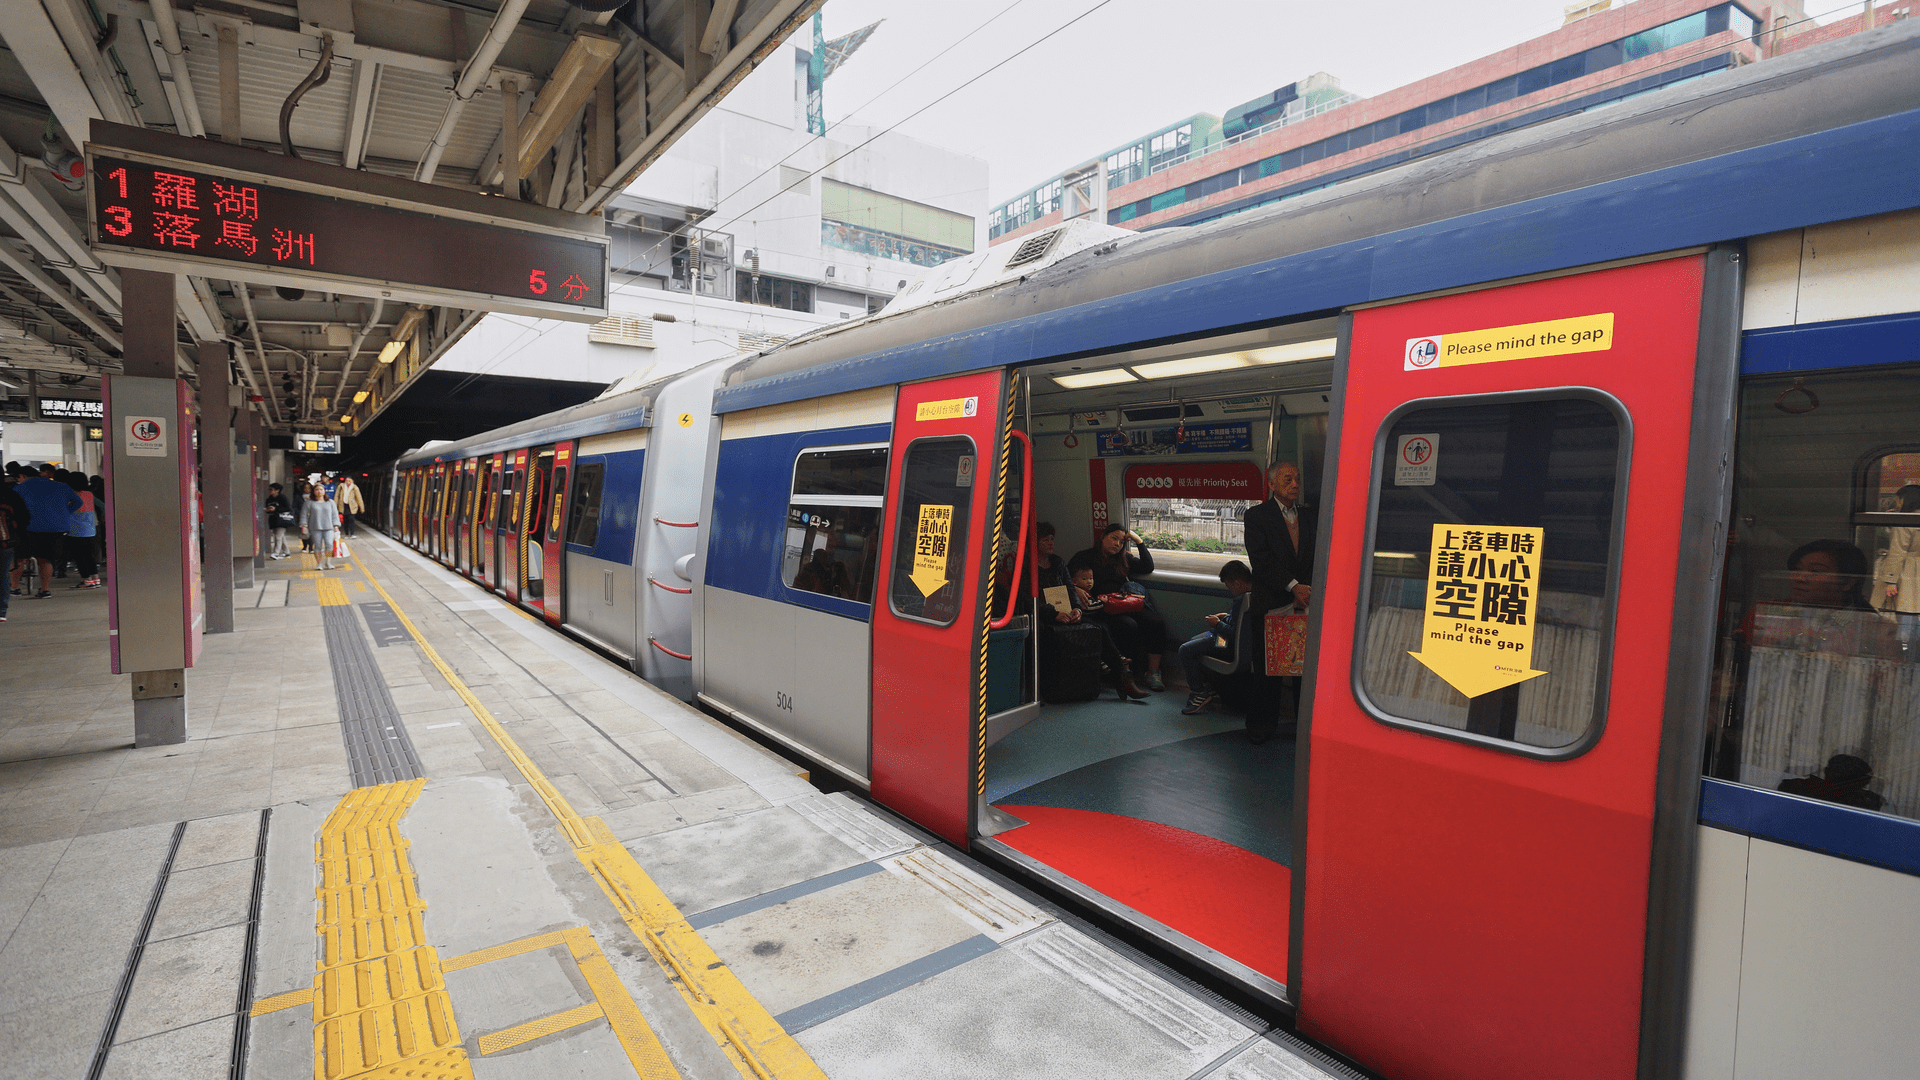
[(1084, 379), (1200, 365), (390, 350), (360, 397)]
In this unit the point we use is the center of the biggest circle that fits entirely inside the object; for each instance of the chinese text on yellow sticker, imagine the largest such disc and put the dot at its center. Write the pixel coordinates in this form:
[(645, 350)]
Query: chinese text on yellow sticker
[(1482, 591)]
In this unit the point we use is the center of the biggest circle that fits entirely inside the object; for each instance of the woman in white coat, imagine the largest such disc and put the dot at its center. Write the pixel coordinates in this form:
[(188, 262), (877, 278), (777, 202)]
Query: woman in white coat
[(1900, 570)]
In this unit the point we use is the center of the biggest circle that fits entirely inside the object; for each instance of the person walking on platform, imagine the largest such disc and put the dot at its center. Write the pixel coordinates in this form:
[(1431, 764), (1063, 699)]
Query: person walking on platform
[(279, 513), (83, 525), (13, 524), (319, 522), (50, 507), (346, 496)]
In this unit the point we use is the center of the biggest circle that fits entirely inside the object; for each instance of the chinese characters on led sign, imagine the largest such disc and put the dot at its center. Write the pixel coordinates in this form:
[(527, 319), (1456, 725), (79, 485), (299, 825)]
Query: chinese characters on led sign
[(194, 216), (70, 409)]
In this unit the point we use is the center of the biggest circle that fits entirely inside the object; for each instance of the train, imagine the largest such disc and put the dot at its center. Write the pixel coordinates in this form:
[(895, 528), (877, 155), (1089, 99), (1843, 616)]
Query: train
[(1606, 761)]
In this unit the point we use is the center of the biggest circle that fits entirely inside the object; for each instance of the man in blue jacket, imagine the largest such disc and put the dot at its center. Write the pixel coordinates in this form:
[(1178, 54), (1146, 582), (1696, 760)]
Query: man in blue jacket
[(50, 506)]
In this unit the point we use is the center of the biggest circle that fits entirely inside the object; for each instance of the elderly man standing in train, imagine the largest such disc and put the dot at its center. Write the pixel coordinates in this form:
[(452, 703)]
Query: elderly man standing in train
[(1279, 535)]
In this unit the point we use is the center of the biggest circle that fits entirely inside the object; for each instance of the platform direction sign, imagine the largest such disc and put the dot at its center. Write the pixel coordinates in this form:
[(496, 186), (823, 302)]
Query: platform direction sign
[(157, 201), (1481, 606)]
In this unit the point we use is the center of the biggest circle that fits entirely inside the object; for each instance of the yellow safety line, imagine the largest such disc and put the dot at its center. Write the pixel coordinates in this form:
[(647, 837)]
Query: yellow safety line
[(501, 952), (277, 1002), (746, 1032), (332, 592), (534, 1029), (643, 1047), (380, 1002)]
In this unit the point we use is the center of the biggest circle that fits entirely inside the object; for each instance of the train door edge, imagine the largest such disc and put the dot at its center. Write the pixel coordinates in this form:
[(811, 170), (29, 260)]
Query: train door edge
[(930, 616), (553, 543)]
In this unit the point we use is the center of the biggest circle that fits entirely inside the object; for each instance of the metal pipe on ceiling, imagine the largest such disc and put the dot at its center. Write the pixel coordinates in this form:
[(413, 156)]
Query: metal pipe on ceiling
[(322, 71), (346, 369), (472, 78), (169, 25), (253, 327)]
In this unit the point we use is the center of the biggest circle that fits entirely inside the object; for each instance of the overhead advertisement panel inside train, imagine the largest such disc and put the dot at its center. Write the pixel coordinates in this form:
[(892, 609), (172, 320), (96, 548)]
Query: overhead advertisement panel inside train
[(204, 207)]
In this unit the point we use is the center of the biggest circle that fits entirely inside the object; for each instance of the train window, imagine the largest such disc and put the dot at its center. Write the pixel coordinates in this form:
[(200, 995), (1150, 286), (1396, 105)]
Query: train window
[(1818, 687), (1500, 530), (583, 520), (833, 521), (930, 549)]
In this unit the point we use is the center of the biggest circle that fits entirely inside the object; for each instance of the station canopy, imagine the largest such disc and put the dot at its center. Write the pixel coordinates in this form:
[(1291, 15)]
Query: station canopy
[(408, 90)]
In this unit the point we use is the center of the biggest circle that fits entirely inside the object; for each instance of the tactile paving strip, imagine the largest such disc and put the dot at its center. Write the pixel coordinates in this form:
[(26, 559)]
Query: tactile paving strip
[(378, 749)]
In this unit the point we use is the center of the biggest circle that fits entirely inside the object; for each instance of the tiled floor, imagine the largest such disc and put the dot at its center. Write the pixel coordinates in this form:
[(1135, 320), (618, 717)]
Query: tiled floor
[(835, 920)]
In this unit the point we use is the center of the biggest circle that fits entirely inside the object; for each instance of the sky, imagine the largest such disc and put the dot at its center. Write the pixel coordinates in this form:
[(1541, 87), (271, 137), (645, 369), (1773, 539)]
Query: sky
[(1126, 67)]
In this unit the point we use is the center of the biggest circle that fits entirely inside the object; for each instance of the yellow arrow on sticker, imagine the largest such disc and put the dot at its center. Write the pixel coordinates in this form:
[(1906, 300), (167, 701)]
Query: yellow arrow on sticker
[(929, 573), (1483, 588)]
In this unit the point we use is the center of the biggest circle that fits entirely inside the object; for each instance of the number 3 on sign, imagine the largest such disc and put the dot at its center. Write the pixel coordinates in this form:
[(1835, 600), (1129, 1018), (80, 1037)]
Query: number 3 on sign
[(537, 281)]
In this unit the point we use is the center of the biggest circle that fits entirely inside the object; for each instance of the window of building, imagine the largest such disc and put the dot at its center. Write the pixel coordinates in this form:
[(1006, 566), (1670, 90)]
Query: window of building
[(1126, 166), (583, 519), (705, 258), (1551, 461), (930, 552), (833, 521), (876, 223), (769, 291), (1168, 145), (1818, 689), (1047, 199)]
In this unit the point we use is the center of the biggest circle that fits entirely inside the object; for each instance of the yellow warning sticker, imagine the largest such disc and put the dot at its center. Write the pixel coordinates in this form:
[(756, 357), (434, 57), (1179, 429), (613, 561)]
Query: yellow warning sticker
[(949, 409), (930, 549), (1521, 341), (1480, 613)]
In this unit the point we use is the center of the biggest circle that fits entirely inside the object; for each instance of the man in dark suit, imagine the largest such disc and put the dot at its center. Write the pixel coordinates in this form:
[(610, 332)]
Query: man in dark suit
[(1279, 536)]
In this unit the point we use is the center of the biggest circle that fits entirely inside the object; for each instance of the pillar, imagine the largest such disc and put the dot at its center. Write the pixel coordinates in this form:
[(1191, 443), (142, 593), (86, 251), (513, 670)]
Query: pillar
[(215, 361)]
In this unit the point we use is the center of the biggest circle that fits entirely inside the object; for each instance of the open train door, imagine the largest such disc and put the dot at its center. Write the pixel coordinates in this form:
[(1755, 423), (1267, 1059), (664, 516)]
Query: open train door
[(1506, 688), (929, 622)]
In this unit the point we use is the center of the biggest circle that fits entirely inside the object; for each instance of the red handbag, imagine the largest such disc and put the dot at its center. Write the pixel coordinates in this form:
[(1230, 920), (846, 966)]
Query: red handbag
[(1120, 603)]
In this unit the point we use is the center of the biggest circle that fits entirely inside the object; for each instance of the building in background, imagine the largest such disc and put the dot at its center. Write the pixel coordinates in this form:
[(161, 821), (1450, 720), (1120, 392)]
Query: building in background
[(749, 231), (1313, 132)]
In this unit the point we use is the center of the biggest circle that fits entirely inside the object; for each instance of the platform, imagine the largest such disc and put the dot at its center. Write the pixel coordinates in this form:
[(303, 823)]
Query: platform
[(415, 832)]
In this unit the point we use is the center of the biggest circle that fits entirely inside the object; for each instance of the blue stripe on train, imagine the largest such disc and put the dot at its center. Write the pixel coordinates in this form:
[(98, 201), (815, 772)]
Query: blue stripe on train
[(619, 505), (752, 484), (1882, 339), (1828, 828)]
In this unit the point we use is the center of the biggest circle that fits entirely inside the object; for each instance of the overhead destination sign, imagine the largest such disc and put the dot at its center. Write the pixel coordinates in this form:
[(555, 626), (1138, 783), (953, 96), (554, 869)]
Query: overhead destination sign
[(172, 204)]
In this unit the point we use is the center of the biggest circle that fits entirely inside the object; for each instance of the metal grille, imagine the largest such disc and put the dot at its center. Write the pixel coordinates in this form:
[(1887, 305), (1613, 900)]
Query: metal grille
[(378, 749), (623, 330), (761, 342), (1034, 248)]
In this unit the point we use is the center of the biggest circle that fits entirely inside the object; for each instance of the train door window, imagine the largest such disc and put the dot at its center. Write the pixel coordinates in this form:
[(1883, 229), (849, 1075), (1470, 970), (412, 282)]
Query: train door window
[(833, 521), (1818, 691), (559, 489), (583, 520), (930, 549), (1494, 566)]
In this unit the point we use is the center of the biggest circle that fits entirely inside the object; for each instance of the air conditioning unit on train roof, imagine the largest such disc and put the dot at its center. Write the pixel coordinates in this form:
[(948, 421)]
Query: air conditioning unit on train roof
[(1006, 262)]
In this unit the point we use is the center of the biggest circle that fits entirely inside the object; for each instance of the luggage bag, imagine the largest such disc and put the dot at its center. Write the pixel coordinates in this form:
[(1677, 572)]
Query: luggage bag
[(1070, 663)]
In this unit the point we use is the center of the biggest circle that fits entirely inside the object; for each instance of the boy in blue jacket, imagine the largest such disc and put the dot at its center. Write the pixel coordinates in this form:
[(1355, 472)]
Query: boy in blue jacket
[(1238, 578)]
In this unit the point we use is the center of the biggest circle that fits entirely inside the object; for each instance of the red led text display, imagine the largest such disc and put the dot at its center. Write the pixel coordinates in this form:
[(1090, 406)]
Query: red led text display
[(199, 216)]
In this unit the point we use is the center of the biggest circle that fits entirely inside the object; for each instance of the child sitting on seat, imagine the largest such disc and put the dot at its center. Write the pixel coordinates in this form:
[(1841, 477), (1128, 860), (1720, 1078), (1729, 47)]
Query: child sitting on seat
[(1217, 641)]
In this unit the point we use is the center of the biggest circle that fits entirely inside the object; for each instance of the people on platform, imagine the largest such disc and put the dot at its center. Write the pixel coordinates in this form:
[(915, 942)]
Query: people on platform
[(279, 518), (1216, 641), (98, 485), (50, 507), (346, 496), (1141, 634), (319, 522), (84, 523), (13, 526)]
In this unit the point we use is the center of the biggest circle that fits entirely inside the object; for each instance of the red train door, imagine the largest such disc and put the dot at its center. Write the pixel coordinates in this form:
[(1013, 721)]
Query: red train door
[(928, 625), (1490, 676), (483, 515), (513, 529), (462, 516), (553, 534)]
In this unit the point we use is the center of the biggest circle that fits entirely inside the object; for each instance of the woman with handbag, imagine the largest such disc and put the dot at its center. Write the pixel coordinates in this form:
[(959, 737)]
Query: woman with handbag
[(1136, 626)]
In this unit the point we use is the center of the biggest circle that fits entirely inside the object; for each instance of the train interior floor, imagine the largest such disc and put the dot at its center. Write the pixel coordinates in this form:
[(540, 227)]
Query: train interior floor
[(1180, 818), (414, 829)]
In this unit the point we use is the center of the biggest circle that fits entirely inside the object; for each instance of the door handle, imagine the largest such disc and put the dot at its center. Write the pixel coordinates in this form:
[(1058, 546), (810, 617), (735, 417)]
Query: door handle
[(1026, 519)]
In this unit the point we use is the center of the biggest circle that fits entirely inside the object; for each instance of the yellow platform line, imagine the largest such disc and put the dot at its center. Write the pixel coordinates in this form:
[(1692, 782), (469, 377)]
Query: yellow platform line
[(380, 1002), (288, 1000), (746, 1032), (534, 1029), (501, 952)]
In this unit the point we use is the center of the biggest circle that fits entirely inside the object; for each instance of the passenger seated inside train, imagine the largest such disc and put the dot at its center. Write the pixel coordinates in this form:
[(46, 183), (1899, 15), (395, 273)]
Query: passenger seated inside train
[(1077, 652), (1136, 626)]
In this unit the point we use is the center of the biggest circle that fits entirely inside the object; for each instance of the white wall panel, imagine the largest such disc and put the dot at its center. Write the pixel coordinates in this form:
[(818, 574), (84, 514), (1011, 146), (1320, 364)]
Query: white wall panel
[(1830, 969), (874, 406), (1848, 270), (1720, 905)]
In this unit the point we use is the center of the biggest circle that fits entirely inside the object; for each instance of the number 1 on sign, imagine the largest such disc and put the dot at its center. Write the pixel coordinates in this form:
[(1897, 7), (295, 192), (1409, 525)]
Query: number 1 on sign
[(120, 175)]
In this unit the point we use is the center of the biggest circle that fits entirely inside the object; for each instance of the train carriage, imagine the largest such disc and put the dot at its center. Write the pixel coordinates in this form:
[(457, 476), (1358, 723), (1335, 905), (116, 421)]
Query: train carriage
[(1605, 762)]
